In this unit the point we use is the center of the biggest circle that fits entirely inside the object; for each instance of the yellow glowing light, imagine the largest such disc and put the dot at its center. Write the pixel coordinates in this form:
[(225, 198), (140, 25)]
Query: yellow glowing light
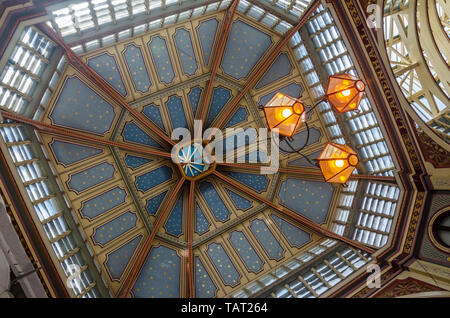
[(339, 163), (287, 112), (346, 93)]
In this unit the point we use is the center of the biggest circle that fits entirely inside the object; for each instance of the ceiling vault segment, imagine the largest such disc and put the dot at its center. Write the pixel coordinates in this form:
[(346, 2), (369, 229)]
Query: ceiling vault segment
[(304, 221), (85, 69), (83, 137), (218, 54), (273, 54), (144, 251)]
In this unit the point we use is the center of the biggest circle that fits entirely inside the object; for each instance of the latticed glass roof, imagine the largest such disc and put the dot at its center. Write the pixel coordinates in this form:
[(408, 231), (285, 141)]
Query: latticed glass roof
[(91, 131)]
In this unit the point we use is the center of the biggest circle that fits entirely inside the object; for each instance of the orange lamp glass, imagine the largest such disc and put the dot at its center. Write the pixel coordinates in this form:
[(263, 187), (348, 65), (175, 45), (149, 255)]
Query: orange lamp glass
[(337, 162), (285, 113), (345, 92)]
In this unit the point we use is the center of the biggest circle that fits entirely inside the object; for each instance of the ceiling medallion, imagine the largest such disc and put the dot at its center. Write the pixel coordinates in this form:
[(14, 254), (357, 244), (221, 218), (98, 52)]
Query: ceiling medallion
[(192, 164)]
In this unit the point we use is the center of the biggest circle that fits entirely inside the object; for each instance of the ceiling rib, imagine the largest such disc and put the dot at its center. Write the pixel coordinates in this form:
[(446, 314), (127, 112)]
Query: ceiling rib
[(133, 274), (85, 69), (304, 221), (267, 63), (83, 137), (190, 287), (218, 54), (303, 172)]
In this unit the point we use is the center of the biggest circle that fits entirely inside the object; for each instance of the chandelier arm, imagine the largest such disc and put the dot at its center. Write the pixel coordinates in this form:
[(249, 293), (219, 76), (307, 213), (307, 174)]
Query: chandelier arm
[(316, 104)]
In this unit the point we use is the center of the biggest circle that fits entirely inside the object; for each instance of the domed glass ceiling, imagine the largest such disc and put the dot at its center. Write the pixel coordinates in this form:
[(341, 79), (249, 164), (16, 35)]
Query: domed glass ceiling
[(150, 229)]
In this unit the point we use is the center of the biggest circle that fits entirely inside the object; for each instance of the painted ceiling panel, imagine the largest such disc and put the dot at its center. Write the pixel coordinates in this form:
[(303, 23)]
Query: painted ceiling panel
[(153, 112), (238, 117), (154, 203), (257, 182), (204, 285), (111, 230), (239, 201), (280, 68), (267, 240), (245, 46), (310, 199), (136, 67), (223, 264), (220, 97), (154, 178), (105, 65), (302, 162), (194, 98), (103, 203), (161, 58), (91, 177), (201, 222), (160, 276), (134, 133), (176, 112), (174, 224), (215, 202), (206, 33), (183, 44), (300, 138), (246, 252), (68, 153), (134, 162), (117, 261), (295, 236), (79, 107)]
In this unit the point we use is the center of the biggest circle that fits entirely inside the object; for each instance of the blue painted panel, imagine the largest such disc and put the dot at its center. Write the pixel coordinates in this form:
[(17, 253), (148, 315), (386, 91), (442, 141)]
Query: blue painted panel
[(161, 57), (223, 264), (154, 114), (246, 252), (135, 162), (206, 33), (239, 116), (105, 65), (154, 203), (255, 157), (68, 153), (214, 201), (280, 68), (103, 203), (194, 98), (220, 97), (136, 66), (257, 182), (90, 177), (201, 222), (299, 138), (295, 90), (267, 240), (295, 236), (153, 178), (134, 133), (174, 224), (239, 201), (302, 162), (245, 46), (160, 276), (114, 228), (118, 260), (176, 112), (81, 108), (241, 139), (185, 51), (310, 199), (204, 285)]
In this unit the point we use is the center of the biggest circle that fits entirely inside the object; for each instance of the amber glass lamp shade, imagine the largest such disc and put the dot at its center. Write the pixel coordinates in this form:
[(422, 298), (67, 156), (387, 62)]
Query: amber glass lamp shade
[(345, 92), (285, 113), (337, 162)]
